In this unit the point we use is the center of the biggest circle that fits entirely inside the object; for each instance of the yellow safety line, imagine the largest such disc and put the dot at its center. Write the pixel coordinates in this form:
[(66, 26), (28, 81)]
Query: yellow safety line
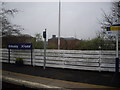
[(69, 82)]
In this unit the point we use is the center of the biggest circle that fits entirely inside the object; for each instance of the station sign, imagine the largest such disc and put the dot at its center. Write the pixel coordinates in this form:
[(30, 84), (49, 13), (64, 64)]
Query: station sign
[(113, 32), (20, 46), (114, 29)]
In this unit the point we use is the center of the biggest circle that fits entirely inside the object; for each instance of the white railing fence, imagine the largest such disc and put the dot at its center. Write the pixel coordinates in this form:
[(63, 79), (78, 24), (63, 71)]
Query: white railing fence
[(72, 59)]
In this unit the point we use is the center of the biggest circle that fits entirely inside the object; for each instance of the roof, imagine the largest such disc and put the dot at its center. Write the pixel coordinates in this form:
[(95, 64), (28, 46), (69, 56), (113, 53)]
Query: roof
[(68, 38)]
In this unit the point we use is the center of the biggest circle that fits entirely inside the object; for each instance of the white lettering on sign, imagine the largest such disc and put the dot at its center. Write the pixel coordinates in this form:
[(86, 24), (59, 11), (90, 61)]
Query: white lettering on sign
[(13, 46), (25, 46), (20, 46)]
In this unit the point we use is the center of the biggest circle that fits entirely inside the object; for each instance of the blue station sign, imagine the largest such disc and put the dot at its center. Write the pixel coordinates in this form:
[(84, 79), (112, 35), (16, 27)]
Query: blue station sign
[(20, 46)]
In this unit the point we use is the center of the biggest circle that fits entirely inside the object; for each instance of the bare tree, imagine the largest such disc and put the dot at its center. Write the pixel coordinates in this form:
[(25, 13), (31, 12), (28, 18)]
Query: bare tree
[(6, 27), (38, 37), (110, 19)]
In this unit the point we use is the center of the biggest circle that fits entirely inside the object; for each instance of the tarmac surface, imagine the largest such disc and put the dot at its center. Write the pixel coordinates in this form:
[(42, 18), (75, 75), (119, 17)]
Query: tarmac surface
[(67, 75), (7, 85)]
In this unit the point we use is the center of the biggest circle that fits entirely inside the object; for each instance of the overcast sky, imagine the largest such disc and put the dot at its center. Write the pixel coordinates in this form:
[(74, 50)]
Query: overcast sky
[(78, 19)]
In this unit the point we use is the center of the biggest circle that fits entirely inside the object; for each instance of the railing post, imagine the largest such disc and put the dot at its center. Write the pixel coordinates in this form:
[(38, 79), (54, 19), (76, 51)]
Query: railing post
[(8, 55), (100, 59), (31, 57)]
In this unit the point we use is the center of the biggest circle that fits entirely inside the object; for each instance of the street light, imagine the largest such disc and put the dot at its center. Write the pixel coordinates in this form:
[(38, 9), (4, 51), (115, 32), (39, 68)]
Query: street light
[(59, 20)]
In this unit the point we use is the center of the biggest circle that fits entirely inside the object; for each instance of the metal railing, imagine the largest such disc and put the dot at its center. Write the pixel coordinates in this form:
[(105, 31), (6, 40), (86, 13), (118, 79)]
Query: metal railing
[(73, 59)]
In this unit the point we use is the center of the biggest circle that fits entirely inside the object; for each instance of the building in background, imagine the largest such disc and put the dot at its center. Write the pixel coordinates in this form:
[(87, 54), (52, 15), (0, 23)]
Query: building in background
[(66, 43)]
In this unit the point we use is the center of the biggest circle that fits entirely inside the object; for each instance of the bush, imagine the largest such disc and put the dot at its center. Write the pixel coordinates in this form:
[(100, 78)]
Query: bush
[(19, 61)]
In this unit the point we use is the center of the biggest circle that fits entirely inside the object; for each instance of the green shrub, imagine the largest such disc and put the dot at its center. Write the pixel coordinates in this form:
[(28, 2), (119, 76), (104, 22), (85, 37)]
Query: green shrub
[(19, 59)]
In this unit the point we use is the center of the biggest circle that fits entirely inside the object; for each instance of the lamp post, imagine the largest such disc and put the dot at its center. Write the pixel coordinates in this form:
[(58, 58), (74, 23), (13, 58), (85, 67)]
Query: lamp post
[(59, 25)]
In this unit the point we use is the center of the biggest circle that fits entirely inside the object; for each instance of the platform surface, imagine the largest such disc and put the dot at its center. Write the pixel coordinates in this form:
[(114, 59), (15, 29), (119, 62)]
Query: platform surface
[(37, 77)]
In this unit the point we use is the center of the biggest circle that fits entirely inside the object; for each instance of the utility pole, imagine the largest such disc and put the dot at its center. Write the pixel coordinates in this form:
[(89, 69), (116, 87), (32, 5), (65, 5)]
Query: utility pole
[(59, 25)]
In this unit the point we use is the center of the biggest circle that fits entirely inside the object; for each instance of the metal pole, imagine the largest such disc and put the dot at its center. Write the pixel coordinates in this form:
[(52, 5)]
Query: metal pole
[(59, 25), (117, 45), (44, 50), (100, 58), (117, 57), (8, 55), (31, 57), (118, 30)]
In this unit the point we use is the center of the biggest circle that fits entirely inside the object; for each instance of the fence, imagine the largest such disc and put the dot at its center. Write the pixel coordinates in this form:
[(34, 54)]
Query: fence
[(72, 59)]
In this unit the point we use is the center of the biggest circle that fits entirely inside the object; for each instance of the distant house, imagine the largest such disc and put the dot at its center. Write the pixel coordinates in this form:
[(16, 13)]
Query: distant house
[(65, 43)]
